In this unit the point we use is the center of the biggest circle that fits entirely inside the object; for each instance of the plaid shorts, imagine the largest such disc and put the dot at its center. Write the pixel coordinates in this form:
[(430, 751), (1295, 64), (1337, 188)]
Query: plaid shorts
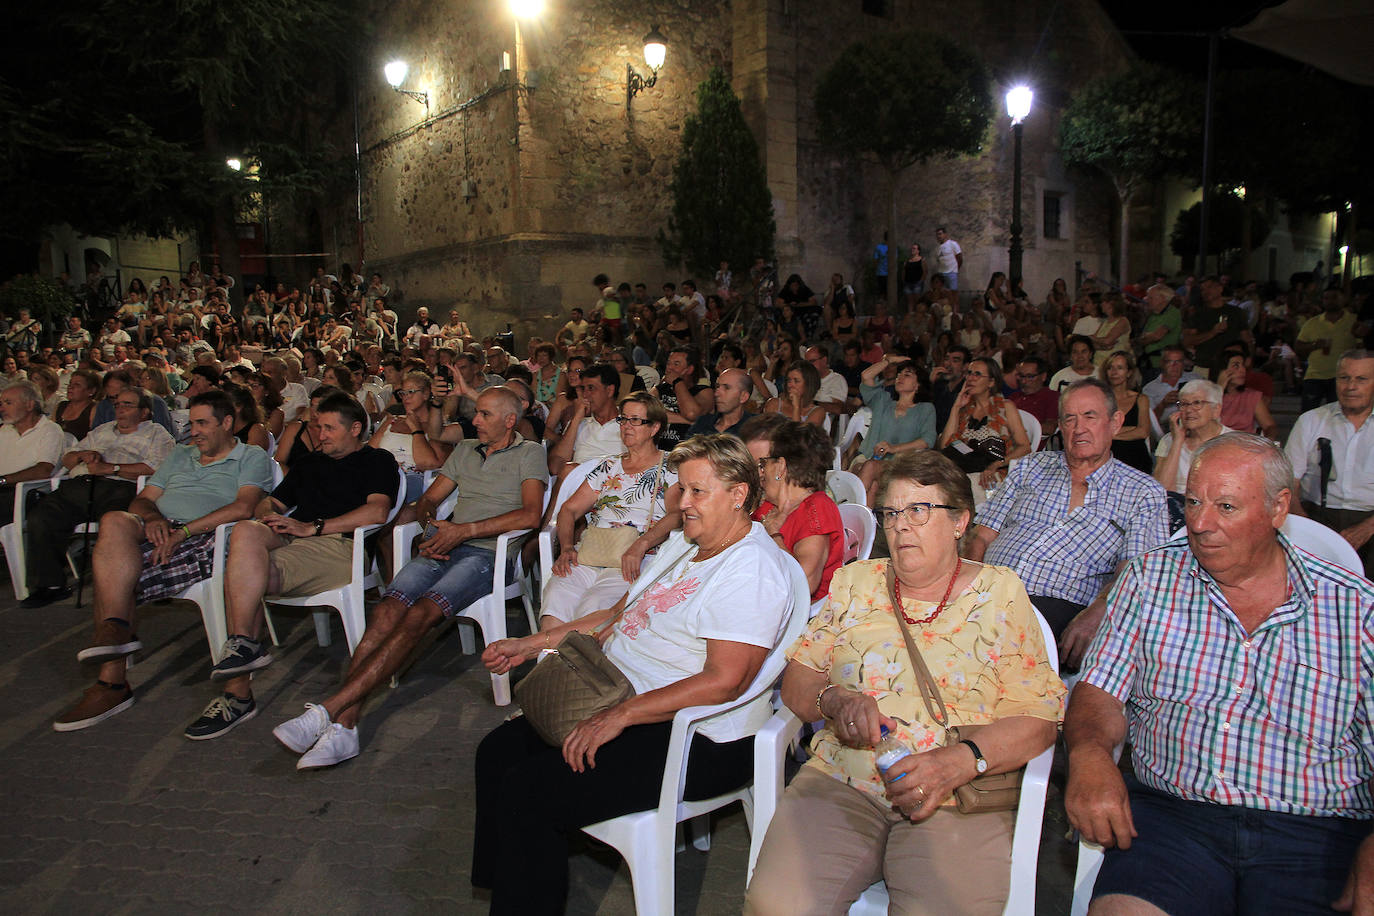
[(191, 562)]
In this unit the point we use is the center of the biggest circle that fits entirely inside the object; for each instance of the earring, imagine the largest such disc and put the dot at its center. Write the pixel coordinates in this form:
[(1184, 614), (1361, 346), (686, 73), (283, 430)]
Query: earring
[(737, 505), (777, 477)]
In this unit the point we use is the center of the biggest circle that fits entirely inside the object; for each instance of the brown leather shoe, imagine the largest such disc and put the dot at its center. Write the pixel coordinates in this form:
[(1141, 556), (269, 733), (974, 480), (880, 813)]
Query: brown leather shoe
[(100, 701), (113, 639)]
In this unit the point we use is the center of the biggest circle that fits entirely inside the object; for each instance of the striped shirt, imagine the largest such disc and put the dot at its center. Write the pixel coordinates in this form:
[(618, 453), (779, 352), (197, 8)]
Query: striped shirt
[(1072, 553), (1276, 719)]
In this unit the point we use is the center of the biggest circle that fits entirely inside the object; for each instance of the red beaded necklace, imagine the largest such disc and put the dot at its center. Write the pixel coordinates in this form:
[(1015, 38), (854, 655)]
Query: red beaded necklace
[(939, 609)]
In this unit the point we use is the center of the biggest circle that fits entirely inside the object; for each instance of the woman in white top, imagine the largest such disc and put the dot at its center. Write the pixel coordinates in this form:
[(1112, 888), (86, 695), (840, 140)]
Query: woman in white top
[(633, 491), (694, 631), (1197, 419)]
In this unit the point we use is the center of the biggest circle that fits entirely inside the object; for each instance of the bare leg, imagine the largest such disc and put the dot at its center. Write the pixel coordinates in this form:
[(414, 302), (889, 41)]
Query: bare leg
[(868, 475), (250, 574), (406, 628), (116, 564)]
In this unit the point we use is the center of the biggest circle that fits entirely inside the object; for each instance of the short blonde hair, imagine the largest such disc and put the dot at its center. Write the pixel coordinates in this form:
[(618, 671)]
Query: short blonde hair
[(730, 460)]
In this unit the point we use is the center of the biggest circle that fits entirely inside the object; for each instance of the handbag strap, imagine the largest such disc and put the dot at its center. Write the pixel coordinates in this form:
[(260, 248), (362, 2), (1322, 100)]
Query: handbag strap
[(930, 690), (658, 491)]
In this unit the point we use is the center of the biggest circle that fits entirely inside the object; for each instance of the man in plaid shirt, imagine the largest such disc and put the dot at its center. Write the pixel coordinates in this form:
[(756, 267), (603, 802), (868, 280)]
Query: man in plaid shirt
[(163, 544), (1241, 669)]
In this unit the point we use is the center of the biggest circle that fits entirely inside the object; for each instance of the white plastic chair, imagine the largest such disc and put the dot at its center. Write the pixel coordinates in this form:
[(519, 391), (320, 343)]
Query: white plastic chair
[(770, 747), (12, 535), (570, 485), (860, 530), (1033, 428), (647, 839), (845, 487), (489, 611), (1089, 864), (856, 428), (348, 598)]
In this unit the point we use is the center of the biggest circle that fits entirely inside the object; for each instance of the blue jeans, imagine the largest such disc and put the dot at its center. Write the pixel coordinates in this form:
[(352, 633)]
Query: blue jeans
[(951, 280), (451, 584), (1198, 857)]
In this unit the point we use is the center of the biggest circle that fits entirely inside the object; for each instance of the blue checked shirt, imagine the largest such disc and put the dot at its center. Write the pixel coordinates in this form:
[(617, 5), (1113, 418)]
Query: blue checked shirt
[(1276, 719), (1066, 554)]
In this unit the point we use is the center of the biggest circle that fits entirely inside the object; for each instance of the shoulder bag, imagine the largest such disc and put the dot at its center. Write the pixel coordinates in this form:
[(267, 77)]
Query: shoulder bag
[(576, 681), (1000, 792)]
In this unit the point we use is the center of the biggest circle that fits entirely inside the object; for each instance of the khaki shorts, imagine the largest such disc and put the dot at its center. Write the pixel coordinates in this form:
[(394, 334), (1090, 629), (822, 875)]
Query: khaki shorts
[(312, 565)]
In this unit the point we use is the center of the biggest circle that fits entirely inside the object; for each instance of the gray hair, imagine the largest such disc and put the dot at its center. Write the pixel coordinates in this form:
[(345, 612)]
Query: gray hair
[(1094, 383), (1355, 354), (30, 392), (1210, 391), (1278, 470)]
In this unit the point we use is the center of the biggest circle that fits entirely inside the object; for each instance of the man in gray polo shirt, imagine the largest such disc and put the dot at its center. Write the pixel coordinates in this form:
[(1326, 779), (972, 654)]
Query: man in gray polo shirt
[(163, 544), (500, 478)]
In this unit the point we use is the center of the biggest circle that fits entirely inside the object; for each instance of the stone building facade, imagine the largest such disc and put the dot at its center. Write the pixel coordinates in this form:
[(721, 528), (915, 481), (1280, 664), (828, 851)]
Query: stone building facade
[(509, 191)]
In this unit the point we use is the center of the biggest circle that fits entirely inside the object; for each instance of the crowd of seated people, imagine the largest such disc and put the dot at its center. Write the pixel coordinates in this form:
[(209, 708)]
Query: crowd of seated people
[(705, 427)]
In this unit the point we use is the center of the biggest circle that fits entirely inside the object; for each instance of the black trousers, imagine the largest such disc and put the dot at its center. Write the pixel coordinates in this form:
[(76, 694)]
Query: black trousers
[(529, 801), (53, 518)]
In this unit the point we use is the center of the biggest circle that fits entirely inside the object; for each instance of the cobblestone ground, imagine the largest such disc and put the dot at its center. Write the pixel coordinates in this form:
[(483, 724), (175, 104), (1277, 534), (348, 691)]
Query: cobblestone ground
[(130, 817)]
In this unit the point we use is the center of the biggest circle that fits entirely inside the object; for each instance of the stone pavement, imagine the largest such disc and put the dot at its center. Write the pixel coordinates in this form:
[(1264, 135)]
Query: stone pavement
[(130, 817)]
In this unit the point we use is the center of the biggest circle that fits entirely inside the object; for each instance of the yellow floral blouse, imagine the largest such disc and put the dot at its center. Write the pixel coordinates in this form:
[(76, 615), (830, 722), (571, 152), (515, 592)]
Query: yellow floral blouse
[(986, 652)]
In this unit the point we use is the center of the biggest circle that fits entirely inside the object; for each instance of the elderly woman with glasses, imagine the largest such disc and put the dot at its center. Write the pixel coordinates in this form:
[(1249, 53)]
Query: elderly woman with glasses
[(844, 823), (1197, 419), (634, 506)]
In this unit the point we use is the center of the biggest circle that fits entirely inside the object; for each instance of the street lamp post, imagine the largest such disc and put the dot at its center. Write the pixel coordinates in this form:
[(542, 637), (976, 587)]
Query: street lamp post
[(1018, 107)]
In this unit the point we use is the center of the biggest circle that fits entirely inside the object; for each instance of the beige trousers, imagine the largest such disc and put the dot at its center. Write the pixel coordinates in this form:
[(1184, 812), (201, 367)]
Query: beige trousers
[(829, 842)]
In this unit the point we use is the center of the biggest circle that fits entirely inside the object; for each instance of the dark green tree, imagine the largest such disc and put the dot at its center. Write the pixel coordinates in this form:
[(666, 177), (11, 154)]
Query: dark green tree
[(722, 209), (903, 98), (1135, 127), (119, 117), (1232, 219)]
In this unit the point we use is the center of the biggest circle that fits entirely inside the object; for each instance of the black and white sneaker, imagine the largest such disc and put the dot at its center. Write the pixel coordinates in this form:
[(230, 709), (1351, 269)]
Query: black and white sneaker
[(240, 656), (222, 715)]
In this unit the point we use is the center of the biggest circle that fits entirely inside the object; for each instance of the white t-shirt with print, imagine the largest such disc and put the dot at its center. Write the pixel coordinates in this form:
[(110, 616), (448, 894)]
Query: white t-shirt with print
[(741, 595)]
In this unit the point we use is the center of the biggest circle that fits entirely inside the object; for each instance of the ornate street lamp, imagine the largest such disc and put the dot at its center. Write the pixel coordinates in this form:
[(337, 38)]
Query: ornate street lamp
[(655, 50), (1018, 107), (395, 73)]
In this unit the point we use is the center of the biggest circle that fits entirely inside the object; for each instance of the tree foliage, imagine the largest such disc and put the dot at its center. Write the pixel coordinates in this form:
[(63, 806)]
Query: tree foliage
[(119, 117), (722, 209), (45, 298), (1226, 228), (1138, 126), (905, 97)]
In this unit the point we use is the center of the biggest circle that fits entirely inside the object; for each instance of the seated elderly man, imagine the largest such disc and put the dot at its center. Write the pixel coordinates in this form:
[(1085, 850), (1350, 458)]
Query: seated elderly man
[(31, 445), (164, 544), (1067, 522), (500, 479), (103, 468), (341, 485), (1330, 448), (1239, 669)]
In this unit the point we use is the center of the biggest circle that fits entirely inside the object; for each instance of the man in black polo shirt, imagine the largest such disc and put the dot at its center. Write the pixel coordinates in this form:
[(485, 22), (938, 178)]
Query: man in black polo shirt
[(346, 483), (682, 396)]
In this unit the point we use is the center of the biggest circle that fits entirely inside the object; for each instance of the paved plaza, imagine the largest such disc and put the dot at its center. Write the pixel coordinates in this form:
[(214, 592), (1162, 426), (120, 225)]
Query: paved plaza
[(130, 817)]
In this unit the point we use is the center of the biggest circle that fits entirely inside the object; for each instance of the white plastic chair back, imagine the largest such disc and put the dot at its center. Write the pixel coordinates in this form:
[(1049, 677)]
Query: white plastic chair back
[(12, 535), (857, 427), (1317, 539), (860, 530), (845, 487), (576, 477), (1032, 429), (647, 839)]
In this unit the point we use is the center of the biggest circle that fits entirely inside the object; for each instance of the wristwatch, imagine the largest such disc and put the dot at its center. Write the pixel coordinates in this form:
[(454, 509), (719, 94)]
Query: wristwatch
[(319, 527), (116, 470), (980, 762)]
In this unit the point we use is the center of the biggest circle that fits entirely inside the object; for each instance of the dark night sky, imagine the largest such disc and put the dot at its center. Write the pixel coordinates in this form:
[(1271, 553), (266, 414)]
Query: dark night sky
[(1189, 51)]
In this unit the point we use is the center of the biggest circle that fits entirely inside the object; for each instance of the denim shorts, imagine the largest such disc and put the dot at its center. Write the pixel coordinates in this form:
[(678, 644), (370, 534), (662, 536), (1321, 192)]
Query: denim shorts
[(451, 584), (1199, 857)]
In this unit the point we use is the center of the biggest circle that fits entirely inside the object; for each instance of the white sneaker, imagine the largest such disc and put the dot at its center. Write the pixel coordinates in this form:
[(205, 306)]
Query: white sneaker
[(301, 733), (336, 745)]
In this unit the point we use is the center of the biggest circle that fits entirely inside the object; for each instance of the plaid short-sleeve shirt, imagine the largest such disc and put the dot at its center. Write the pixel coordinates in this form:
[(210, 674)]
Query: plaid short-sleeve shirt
[(1276, 719)]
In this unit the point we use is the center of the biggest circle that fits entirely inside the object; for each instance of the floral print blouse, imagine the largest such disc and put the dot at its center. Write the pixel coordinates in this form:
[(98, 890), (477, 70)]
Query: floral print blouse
[(985, 651)]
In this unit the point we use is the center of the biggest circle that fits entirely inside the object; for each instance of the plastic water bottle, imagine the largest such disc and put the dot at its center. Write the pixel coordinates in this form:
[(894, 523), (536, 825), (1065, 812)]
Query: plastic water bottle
[(889, 751)]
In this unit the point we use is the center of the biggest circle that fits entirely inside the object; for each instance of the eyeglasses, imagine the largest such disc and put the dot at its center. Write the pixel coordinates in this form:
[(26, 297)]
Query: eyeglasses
[(632, 421), (764, 461), (411, 391), (916, 514), (1193, 404), (129, 404)]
